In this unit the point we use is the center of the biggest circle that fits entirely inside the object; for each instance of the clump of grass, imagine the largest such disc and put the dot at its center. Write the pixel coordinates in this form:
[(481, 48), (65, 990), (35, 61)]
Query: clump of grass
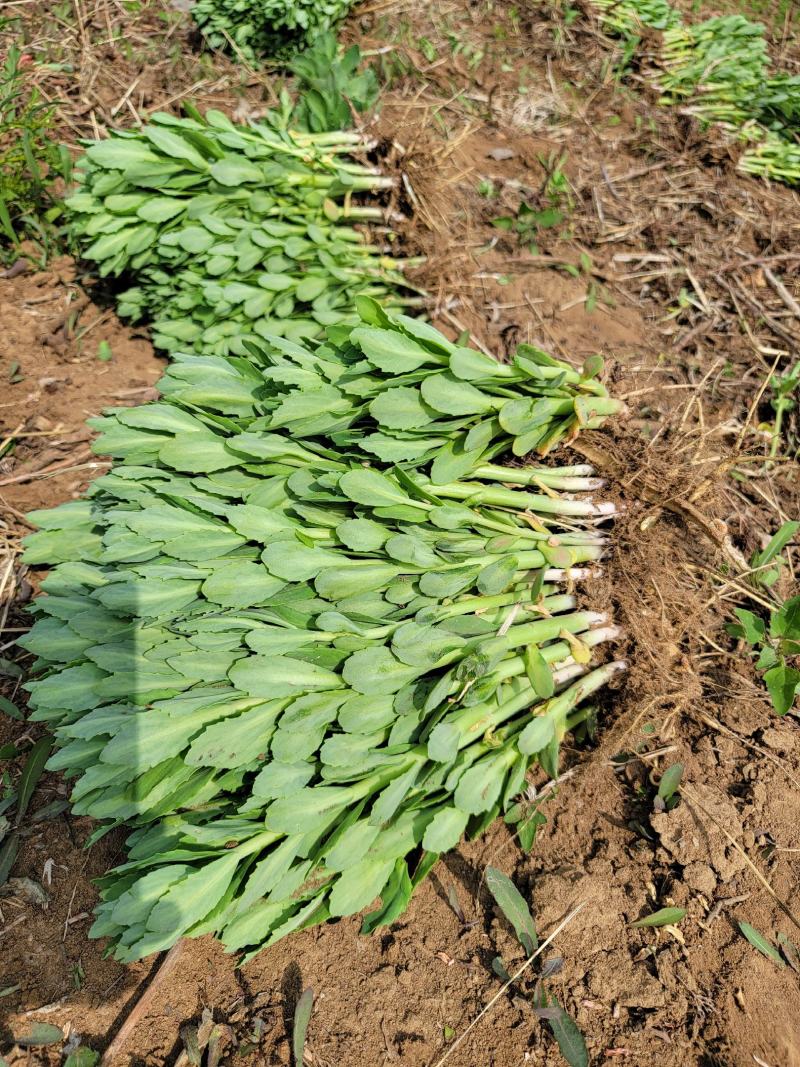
[(30, 159)]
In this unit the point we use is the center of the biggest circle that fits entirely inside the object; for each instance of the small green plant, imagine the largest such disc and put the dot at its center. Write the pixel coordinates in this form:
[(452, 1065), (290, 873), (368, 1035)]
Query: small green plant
[(669, 788), (762, 573), (29, 158), (595, 291), (528, 222), (763, 944), (775, 643), (302, 1017), (571, 14), (785, 389), (556, 188), (513, 906), (332, 89), (459, 47), (555, 205), (428, 48), (526, 819), (662, 917), (19, 797), (82, 1057)]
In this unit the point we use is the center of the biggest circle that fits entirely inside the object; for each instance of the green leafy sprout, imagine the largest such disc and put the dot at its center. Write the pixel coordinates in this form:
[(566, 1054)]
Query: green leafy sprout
[(529, 222), (764, 946), (785, 389), (555, 205), (775, 644), (767, 565)]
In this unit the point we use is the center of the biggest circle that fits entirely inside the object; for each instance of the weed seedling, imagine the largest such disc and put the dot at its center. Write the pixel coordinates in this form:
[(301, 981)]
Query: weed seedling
[(764, 946), (775, 644), (669, 788), (662, 917), (516, 911), (29, 158), (302, 1017), (556, 187), (785, 389), (763, 574), (528, 222)]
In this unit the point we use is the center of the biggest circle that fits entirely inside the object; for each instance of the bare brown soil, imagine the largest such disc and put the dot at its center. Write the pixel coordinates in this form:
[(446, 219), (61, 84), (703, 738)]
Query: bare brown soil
[(679, 247)]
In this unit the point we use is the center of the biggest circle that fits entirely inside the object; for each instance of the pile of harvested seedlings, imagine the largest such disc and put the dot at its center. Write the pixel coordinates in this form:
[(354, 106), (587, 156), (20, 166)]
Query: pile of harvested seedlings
[(233, 233), (719, 71), (306, 627)]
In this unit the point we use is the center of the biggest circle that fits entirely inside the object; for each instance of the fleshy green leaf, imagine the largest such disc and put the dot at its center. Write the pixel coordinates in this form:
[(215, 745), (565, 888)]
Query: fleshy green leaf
[(783, 683), (512, 904), (670, 781), (302, 1017), (41, 1034), (757, 940)]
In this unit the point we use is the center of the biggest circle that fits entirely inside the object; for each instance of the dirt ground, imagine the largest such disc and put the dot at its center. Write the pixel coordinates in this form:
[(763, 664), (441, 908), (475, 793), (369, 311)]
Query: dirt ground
[(674, 259)]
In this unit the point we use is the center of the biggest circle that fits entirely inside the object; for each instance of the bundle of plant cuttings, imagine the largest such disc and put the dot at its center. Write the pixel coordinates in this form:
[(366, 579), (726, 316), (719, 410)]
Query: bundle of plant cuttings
[(308, 631), (780, 103), (233, 233), (719, 67), (774, 157), (719, 70), (626, 18), (273, 29)]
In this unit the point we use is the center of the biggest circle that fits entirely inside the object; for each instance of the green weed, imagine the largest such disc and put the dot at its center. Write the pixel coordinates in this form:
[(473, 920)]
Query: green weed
[(785, 390), (30, 160), (556, 203), (546, 1007), (775, 643), (768, 564), (528, 223)]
